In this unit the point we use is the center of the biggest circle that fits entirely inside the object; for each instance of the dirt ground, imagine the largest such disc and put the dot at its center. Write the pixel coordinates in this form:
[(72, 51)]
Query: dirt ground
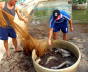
[(22, 63)]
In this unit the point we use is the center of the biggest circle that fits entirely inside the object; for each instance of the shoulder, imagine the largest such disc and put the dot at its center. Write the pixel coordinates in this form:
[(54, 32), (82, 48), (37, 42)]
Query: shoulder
[(16, 9), (65, 14), (2, 4)]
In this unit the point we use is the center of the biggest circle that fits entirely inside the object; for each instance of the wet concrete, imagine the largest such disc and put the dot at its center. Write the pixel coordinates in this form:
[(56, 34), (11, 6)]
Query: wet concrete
[(21, 63)]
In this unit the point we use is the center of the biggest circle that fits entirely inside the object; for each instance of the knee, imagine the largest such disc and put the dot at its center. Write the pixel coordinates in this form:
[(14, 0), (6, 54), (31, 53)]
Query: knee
[(55, 36), (5, 41), (14, 39)]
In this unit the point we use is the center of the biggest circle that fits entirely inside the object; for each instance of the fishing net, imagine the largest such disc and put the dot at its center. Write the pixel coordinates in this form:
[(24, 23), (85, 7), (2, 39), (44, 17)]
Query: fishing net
[(28, 42)]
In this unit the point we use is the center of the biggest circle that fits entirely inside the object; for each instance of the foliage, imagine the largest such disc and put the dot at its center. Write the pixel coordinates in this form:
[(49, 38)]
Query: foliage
[(3, 0), (79, 1)]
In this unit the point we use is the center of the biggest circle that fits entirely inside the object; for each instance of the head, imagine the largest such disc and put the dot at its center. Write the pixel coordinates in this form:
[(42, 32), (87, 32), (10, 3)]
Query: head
[(13, 2), (56, 13)]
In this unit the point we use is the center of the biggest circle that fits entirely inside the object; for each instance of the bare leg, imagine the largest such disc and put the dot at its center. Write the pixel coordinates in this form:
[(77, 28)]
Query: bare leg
[(14, 40), (64, 36), (6, 48), (55, 35)]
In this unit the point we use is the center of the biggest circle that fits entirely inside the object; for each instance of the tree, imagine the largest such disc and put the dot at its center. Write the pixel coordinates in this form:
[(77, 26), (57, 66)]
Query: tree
[(79, 1)]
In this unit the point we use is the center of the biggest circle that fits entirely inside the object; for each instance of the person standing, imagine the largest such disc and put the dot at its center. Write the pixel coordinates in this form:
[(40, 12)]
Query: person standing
[(8, 31)]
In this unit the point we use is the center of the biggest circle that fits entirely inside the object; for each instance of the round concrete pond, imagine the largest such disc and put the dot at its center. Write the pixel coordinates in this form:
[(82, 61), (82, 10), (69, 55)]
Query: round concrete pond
[(59, 44)]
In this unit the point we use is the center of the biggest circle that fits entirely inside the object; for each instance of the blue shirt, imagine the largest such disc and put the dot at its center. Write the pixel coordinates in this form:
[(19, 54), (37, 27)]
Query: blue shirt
[(64, 16)]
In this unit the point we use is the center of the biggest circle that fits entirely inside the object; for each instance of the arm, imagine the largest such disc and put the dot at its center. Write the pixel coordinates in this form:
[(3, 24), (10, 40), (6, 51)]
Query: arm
[(50, 36), (2, 4), (51, 22), (20, 16), (71, 25)]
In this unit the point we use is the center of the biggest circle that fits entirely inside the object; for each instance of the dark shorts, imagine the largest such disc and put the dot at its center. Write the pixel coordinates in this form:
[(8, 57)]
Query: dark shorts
[(7, 32), (61, 26)]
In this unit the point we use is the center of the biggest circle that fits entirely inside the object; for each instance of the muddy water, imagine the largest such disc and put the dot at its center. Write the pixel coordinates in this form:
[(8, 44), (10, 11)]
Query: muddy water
[(41, 30), (40, 22), (57, 58), (80, 15), (44, 10), (80, 30)]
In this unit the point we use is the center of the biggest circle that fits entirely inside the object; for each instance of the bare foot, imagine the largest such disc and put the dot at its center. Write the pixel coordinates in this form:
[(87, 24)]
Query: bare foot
[(18, 50), (8, 55)]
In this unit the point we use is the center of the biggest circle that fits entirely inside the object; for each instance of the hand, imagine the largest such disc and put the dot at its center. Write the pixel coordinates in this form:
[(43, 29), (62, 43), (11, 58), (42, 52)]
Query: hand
[(25, 20), (71, 29), (49, 42)]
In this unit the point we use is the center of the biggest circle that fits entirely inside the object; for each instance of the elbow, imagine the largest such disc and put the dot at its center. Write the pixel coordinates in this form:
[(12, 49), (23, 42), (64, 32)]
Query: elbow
[(20, 18)]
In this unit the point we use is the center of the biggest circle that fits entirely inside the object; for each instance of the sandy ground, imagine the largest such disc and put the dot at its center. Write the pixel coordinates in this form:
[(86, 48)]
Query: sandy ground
[(2, 49), (21, 63)]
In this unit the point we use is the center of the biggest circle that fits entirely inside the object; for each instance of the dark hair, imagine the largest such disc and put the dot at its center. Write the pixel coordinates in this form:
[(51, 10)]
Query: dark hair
[(56, 11)]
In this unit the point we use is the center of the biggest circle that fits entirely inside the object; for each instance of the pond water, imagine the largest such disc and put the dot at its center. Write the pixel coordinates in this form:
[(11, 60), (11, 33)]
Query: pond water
[(80, 16), (44, 9), (42, 14)]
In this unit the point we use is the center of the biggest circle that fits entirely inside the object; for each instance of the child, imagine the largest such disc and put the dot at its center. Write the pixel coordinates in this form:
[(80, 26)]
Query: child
[(59, 21)]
